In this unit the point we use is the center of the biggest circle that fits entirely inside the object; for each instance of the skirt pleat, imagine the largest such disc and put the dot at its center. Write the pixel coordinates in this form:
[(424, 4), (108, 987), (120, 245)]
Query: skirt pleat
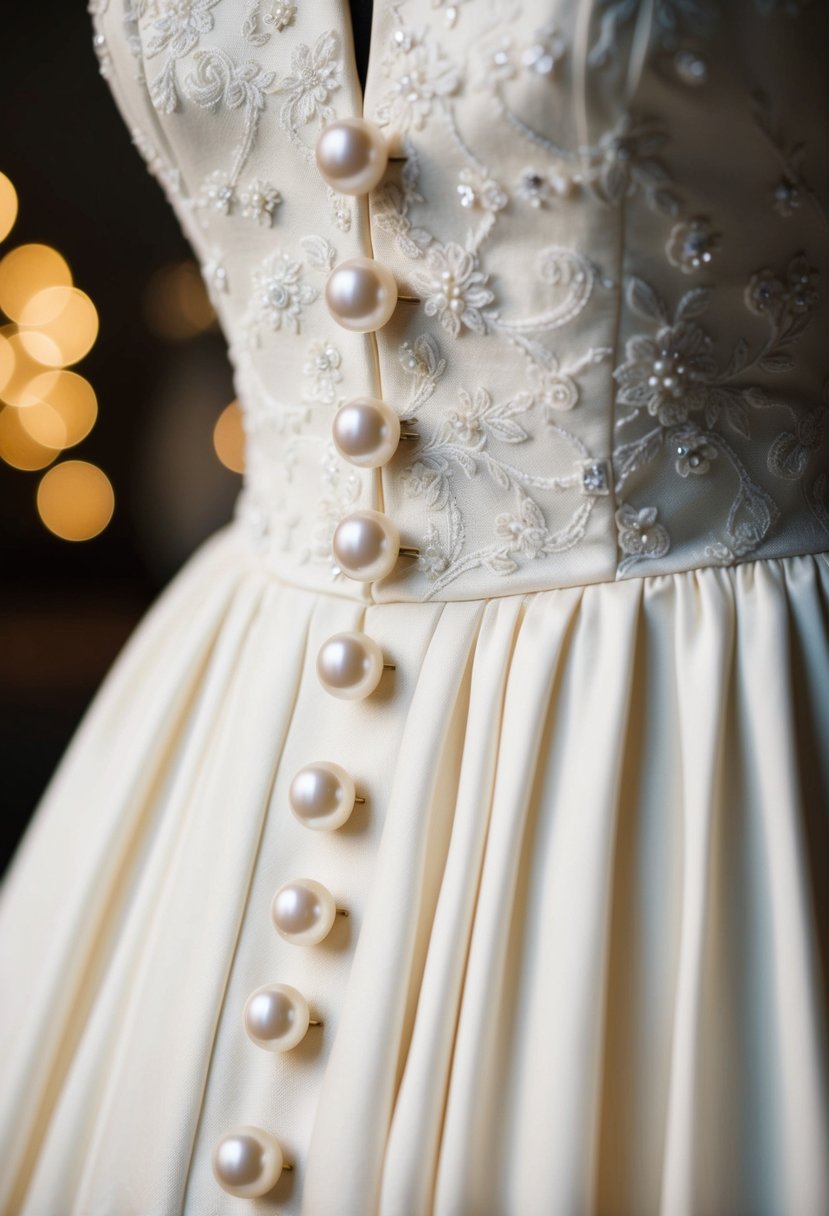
[(584, 964)]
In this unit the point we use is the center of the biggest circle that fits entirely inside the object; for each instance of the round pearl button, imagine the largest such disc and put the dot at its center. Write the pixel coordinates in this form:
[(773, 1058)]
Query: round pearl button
[(352, 155), (303, 912), (322, 796), (276, 1017), (366, 545), (361, 294), (349, 665), (247, 1162), (366, 432)]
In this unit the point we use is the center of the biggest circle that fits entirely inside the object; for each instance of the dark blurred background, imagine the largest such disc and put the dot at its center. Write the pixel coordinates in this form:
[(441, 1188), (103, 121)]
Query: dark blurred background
[(158, 370)]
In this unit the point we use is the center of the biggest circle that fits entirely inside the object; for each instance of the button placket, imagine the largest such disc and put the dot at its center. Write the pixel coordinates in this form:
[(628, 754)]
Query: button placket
[(361, 295)]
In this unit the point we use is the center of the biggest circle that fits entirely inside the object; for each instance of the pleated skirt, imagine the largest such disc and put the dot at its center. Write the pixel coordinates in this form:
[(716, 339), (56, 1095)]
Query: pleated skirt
[(584, 967)]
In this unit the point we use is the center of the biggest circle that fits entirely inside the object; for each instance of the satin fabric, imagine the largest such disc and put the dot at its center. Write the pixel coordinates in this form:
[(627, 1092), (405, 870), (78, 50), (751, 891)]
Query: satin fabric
[(582, 967)]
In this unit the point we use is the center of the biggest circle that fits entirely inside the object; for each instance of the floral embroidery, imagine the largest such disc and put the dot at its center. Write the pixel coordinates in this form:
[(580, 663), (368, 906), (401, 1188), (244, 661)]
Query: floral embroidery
[(280, 294), (694, 452), (176, 30), (215, 82), (674, 375), (217, 192), (474, 190), (639, 534), (454, 289), (545, 52), (791, 452), (541, 189), (315, 74), (501, 481), (264, 17), (691, 245), (322, 369), (671, 20), (668, 375), (259, 202), (626, 163), (421, 76)]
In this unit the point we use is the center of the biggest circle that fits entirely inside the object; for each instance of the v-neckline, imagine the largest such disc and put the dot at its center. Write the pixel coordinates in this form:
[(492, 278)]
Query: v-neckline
[(350, 59)]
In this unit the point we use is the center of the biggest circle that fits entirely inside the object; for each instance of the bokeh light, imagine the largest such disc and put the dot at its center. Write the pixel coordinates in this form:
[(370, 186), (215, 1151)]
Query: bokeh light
[(75, 500), (176, 304), (24, 369), (58, 326), (64, 396), (229, 438), (27, 270), (8, 206), (6, 358), (18, 448)]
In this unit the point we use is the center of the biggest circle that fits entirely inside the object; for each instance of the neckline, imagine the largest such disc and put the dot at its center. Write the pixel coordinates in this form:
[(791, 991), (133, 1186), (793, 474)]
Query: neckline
[(350, 55)]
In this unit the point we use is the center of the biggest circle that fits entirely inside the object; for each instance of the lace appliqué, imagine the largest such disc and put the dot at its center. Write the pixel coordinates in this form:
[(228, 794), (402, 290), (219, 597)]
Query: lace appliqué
[(266, 17), (673, 376)]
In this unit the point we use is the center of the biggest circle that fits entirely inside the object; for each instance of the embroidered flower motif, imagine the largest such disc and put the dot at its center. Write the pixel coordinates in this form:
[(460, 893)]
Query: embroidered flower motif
[(791, 452), (667, 374), (639, 533), (179, 25), (454, 289), (540, 189), (421, 359), (315, 74), (552, 389), (425, 481), (626, 163), (694, 452), (479, 418), (218, 193), (176, 29), (274, 15), (433, 559), (767, 295), (545, 52), (692, 244), (501, 62), (524, 532), (670, 20), (474, 190), (421, 76), (259, 202), (280, 293), (322, 367)]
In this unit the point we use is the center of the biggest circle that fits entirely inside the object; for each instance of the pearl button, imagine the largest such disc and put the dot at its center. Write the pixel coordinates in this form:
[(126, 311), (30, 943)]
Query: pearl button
[(352, 155), (277, 1017), (322, 796), (349, 665), (303, 912), (366, 432), (361, 294), (366, 545), (247, 1162)]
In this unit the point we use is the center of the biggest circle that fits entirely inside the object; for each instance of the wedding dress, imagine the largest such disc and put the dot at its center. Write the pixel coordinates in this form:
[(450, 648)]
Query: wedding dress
[(568, 952)]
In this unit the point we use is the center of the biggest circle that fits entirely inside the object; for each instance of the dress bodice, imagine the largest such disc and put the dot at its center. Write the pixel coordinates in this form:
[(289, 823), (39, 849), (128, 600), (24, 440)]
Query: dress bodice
[(611, 219)]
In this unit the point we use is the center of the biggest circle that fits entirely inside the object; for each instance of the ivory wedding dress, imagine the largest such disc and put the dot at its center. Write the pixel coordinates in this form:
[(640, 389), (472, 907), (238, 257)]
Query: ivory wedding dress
[(583, 966)]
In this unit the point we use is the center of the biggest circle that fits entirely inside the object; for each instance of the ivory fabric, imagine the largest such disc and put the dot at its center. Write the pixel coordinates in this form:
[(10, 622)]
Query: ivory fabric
[(584, 968)]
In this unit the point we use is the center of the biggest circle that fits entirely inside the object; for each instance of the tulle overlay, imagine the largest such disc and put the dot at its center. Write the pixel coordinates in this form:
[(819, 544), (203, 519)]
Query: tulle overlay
[(583, 963)]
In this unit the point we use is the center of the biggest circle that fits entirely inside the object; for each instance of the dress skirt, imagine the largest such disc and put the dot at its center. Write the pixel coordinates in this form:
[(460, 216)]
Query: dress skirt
[(584, 963)]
